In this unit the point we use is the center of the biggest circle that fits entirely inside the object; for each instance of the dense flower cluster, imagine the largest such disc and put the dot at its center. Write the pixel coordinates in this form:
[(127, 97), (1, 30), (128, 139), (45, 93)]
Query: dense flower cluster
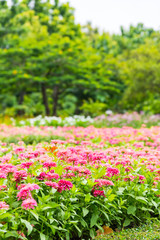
[(108, 119), (68, 121), (91, 168), (29, 203)]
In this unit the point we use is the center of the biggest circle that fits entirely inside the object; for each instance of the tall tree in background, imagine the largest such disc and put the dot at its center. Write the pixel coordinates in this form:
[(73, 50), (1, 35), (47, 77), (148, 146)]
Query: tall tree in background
[(142, 74), (58, 64)]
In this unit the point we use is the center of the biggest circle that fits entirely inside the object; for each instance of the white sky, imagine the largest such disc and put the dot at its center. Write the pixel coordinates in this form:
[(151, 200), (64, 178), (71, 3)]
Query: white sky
[(109, 15)]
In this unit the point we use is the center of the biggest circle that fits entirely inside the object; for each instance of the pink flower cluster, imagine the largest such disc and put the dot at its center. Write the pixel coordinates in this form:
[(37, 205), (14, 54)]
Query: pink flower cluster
[(26, 196), (64, 185), (29, 203), (79, 161), (25, 190), (3, 205)]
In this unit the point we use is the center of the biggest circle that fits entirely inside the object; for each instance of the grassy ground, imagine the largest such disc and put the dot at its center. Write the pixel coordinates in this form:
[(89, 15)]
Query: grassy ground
[(150, 231)]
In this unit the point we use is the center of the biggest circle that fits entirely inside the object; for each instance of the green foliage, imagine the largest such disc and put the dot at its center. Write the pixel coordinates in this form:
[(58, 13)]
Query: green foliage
[(149, 231), (93, 108), (152, 105), (68, 105), (44, 52), (142, 78), (30, 139)]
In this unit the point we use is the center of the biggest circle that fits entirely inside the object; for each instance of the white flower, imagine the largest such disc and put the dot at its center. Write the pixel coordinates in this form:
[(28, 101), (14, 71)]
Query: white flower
[(109, 112)]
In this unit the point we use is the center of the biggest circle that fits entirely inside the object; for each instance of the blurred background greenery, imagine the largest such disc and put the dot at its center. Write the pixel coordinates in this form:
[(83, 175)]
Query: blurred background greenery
[(50, 65)]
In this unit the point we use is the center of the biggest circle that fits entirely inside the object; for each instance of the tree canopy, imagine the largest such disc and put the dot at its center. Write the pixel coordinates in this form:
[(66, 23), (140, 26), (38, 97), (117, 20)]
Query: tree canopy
[(51, 65)]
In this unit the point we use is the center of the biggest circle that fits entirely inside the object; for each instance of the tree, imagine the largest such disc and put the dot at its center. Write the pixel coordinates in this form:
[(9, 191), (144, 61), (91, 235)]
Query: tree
[(142, 74)]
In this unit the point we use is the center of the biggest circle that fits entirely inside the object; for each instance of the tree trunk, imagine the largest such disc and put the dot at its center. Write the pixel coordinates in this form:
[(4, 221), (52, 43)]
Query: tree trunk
[(55, 100), (45, 99), (20, 102), (21, 97)]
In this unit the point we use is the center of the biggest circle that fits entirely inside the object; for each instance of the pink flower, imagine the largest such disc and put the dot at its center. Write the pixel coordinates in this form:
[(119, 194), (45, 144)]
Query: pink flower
[(50, 175), (3, 205), (52, 184), (26, 164), (49, 164), (155, 183), (68, 175), (157, 178), (25, 191), (20, 175), (19, 149), (113, 171), (3, 175), (23, 194), (8, 168), (3, 187), (141, 177), (41, 176), (84, 171), (128, 169), (64, 185), (20, 186), (68, 168), (87, 171), (29, 203), (57, 142), (129, 178), (103, 182), (97, 193), (31, 186)]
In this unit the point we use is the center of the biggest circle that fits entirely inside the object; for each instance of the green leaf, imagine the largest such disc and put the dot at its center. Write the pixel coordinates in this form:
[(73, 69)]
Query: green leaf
[(1, 230), (42, 236), (85, 211), (67, 236), (78, 229), (137, 170), (105, 214), (109, 192), (73, 199), (111, 197), (154, 203), (94, 219), (87, 197), (126, 222), (92, 233), (11, 234), (147, 209), (142, 200), (131, 210), (48, 206), (35, 215), (120, 190), (28, 225), (52, 228), (101, 172), (84, 223), (6, 215), (59, 170), (84, 182)]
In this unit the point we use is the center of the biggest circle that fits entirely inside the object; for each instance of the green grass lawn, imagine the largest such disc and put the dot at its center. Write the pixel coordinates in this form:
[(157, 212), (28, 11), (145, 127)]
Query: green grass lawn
[(150, 231)]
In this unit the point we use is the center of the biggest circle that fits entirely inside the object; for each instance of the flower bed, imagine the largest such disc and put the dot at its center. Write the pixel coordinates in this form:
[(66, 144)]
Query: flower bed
[(109, 119), (68, 189)]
